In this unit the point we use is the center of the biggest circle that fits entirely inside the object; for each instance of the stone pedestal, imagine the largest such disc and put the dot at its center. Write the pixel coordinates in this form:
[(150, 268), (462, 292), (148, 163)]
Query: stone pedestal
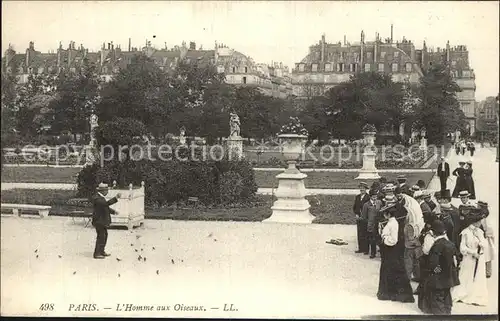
[(130, 206), (182, 140), (235, 147), (369, 171), (423, 143), (291, 206)]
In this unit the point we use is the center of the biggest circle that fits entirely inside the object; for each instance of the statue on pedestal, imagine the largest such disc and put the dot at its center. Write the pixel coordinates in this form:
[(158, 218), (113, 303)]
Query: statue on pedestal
[(234, 125), (91, 148), (182, 135)]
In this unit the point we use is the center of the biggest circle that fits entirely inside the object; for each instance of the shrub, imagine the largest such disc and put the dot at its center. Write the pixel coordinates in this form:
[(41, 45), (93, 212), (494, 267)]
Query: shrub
[(170, 182)]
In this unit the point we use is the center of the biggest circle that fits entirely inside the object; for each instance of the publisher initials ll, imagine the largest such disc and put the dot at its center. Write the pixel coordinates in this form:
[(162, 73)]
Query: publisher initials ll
[(229, 307)]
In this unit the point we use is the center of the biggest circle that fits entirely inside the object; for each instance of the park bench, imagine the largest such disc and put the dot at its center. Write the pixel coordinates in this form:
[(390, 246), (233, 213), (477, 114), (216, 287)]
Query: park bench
[(43, 210), (192, 201)]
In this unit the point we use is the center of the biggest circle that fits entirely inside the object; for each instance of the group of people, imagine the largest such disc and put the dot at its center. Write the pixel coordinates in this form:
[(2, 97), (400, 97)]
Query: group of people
[(423, 238), (461, 146)]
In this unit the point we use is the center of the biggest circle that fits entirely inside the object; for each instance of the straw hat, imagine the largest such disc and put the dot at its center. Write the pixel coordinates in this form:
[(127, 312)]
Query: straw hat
[(102, 187)]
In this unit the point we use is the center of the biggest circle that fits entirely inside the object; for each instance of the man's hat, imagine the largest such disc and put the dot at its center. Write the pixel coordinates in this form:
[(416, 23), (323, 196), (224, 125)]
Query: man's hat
[(469, 162), (373, 192), (389, 187), (363, 184), (102, 187), (401, 178), (461, 162), (472, 218), (438, 227), (442, 157), (421, 183), (427, 194), (464, 194)]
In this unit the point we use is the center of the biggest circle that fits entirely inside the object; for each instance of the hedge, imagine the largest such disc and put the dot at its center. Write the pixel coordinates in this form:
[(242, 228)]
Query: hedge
[(221, 182)]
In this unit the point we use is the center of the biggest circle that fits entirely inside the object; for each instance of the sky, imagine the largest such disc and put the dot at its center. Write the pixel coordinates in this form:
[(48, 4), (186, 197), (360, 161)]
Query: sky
[(266, 31)]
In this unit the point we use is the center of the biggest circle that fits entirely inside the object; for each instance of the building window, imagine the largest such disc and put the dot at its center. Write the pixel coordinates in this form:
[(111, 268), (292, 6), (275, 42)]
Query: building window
[(220, 69), (369, 55), (382, 55), (244, 80), (466, 73), (396, 54), (105, 70), (246, 70), (408, 67), (381, 67), (328, 67), (234, 69), (367, 67), (314, 67), (340, 67), (301, 67), (352, 67), (394, 67)]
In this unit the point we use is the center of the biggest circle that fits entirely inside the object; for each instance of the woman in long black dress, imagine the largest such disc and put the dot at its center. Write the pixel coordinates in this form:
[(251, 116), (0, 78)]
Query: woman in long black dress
[(469, 181), (461, 184), (394, 284)]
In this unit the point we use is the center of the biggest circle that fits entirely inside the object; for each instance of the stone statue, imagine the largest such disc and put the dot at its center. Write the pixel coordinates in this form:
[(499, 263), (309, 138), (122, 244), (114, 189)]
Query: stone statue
[(234, 125), (182, 136), (93, 120)]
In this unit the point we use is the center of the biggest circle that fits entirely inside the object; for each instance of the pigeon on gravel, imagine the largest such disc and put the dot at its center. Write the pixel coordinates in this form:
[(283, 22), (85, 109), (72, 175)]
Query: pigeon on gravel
[(144, 259), (210, 235), (37, 256), (60, 256), (139, 258), (173, 261), (153, 248), (118, 259), (36, 250), (157, 271), (74, 273)]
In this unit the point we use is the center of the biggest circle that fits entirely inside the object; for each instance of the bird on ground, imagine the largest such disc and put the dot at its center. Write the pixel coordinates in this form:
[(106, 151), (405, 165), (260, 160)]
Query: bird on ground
[(210, 235), (60, 256), (153, 248), (37, 256), (157, 271), (139, 258), (74, 273), (118, 259), (144, 259), (173, 261), (36, 250)]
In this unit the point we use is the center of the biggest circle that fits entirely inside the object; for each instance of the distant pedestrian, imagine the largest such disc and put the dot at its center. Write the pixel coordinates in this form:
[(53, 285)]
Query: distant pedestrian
[(460, 184), (443, 172), (472, 148), (101, 219), (405, 189), (357, 207)]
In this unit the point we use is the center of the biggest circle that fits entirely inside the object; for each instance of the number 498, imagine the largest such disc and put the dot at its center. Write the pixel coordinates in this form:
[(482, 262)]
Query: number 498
[(47, 307)]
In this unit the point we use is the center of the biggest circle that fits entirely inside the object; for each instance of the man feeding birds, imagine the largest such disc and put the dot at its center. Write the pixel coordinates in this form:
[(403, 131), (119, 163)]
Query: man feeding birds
[(101, 218)]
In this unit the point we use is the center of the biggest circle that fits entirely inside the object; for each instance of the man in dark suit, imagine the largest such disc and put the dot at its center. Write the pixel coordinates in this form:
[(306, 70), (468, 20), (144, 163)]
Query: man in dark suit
[(405, 189), (420, 197), (444, 276), (369, 214), (101, 219), (443, 173), (359, 201)]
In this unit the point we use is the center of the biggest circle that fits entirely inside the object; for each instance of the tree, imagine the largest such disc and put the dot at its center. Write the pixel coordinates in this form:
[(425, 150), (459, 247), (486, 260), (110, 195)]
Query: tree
[(439, 111), (75, 94)]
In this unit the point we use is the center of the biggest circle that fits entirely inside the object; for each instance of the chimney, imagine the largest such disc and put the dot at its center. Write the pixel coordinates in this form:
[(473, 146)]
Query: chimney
[(192, 45), (323, 48), (129, 44), (345, 41), (375, 53), (32, 46), (392, 29)]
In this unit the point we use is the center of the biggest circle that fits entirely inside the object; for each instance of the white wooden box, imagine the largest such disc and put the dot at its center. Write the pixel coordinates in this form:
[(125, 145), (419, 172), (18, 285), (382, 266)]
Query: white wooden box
[(130, 206)]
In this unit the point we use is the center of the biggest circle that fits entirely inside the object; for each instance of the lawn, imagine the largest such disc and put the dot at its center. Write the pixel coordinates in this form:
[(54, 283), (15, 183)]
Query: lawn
[(263, 179), (328, 209), (336, 179), (39, 175)]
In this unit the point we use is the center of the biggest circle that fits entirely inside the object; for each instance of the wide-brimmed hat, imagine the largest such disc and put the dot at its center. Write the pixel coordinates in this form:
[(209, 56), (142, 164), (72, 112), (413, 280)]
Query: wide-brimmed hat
[(472, 217), (372, 192), (401, 178), (427, 194), (461, 163), (389, 187), (415, 188), (388, 207), (102, 187), (482, 204), (464, 194), (469, 162), (363, 185)]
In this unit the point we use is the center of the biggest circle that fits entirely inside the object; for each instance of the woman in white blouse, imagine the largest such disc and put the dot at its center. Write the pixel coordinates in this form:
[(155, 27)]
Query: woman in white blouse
[(472, 275), (394, 284)]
